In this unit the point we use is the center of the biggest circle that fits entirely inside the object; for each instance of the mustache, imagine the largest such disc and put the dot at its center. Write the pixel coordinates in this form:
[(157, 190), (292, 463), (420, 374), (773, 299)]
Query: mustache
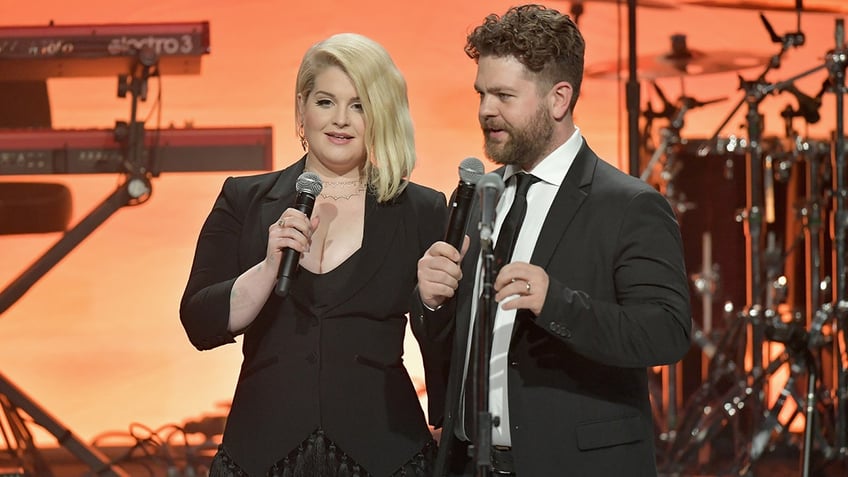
[(489, 125)]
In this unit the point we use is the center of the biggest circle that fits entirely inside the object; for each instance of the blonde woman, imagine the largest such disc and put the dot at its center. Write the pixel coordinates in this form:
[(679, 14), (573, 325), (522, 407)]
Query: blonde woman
[(322, 388)]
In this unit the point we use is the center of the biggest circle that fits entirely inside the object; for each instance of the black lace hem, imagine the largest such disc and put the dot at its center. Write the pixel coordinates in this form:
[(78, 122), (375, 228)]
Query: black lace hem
[(318, 456)]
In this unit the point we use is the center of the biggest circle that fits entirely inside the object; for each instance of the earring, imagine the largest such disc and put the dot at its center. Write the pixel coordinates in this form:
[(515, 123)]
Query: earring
[(302, 135)]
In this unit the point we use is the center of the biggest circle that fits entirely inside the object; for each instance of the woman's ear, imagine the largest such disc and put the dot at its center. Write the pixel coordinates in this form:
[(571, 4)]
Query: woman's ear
[(299, 104)]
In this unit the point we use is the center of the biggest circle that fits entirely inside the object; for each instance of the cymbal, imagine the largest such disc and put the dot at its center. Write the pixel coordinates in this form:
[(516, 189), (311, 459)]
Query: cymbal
[(809, 6), (680, 61), (666, 5)]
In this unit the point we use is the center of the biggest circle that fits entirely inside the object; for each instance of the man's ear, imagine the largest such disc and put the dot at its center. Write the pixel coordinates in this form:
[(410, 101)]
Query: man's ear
[(560, 99)]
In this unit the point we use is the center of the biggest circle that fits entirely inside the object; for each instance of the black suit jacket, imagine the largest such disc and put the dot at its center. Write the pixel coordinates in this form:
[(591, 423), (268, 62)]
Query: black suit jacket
[(617, 303), (337, 365)]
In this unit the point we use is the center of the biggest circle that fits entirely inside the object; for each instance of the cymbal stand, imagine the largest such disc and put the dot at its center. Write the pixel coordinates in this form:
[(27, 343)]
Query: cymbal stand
[(813, 214), (804, 347), (134, 190), (836, 63), (754, 215), (800, 346)]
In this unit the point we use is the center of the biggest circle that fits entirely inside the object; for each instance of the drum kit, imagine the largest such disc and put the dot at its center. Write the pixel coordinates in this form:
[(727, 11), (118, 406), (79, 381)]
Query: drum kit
[(764, 221)]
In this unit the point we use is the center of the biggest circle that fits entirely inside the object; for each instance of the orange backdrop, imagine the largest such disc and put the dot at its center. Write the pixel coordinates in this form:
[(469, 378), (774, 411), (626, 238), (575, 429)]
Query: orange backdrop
[(97, 341)]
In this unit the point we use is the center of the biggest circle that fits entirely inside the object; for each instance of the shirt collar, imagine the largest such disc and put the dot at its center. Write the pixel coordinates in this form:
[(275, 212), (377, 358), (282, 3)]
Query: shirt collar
[(553, 168)]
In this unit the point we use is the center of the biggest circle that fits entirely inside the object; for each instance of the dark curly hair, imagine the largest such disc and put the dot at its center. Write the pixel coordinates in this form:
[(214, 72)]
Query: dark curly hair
[(544, 40)]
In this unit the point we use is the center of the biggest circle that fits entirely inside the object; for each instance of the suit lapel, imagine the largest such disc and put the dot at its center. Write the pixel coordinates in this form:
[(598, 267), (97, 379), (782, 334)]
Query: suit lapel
[(281, 196), (569, 198)]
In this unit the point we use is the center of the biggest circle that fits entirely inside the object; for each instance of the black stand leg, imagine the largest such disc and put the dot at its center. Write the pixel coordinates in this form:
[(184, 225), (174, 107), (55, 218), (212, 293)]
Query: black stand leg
[(98, 462)]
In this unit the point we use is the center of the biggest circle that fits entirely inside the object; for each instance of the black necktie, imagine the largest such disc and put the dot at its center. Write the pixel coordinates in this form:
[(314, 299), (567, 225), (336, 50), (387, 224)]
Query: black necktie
[(503, 252), (512, 223)]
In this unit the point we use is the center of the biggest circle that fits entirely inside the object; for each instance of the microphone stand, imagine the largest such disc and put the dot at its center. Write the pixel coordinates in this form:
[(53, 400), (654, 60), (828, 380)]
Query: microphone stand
[(480, 449), (632, 91)]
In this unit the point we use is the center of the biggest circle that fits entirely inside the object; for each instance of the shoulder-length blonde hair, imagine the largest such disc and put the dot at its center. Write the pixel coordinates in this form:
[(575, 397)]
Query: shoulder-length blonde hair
[(389, 135)]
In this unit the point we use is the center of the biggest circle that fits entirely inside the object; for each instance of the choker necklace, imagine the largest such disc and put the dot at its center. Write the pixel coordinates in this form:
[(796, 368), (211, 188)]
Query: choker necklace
[(342, 196), (350, 188), (342, 183)]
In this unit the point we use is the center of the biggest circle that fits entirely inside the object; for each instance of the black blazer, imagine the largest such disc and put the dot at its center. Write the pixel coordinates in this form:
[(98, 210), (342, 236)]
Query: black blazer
[(338, 365), (618, 302)]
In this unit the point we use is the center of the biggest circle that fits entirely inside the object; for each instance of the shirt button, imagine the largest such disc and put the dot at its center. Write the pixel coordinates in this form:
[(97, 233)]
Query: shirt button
[(311, 358)]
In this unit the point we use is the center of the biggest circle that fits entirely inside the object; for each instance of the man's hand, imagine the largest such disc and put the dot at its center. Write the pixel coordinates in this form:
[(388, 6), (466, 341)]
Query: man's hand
[(528, 283)]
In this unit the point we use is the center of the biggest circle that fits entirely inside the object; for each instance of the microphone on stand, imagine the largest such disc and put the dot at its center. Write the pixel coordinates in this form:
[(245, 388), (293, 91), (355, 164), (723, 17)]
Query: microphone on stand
[(490, 187), (308, 186), (470, 171)]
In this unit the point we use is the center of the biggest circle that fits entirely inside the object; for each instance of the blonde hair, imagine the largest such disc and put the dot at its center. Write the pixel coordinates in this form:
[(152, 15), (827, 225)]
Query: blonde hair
[(389, 135)]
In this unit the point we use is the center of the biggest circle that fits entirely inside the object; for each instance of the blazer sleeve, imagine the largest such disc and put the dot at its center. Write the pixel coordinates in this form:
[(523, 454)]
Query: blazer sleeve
[(435, 348), (648, 323), (205, 304)]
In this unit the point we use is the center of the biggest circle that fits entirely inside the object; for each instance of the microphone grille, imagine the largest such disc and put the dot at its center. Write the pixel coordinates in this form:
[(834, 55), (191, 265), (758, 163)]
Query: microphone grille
[(310, 183), (470, 170), (491, 180)]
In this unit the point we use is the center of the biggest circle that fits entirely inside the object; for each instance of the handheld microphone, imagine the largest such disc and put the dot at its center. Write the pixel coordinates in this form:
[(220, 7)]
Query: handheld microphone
[(470, 171), (490, 187), (308, 186)]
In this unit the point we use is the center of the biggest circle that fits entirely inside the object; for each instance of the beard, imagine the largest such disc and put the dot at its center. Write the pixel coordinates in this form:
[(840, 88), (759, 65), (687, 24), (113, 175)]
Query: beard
[(524, 145)]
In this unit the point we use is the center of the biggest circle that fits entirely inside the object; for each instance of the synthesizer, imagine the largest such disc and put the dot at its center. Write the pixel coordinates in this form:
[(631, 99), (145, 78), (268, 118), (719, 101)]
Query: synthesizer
[(97, 151), (61, 51)]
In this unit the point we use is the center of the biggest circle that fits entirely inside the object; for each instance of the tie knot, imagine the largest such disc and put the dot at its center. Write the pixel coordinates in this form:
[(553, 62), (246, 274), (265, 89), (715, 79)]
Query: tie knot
[(523, 183)]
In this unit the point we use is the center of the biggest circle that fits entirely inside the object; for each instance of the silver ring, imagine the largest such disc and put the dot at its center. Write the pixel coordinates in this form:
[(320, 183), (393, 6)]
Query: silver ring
[(528, 286)]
